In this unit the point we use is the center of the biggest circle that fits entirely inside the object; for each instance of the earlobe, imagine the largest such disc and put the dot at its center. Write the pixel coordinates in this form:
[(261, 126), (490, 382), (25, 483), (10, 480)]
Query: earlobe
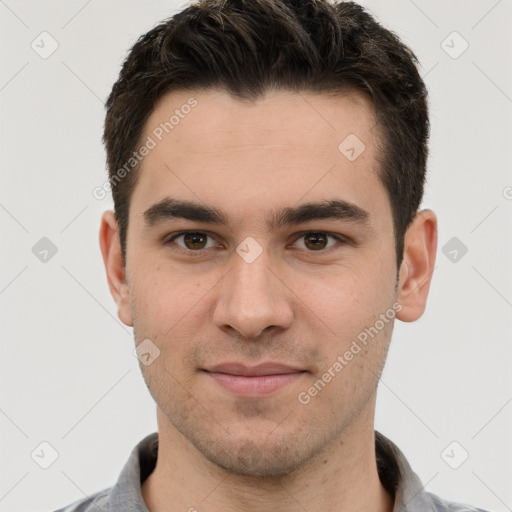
[(115, 270), (417, 266)]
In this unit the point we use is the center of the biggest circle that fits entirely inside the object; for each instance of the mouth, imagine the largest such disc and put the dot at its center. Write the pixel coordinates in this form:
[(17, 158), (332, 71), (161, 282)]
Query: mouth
[(254, 381)]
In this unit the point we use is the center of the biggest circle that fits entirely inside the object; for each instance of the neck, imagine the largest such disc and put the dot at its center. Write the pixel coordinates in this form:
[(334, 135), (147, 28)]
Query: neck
[(343, 478)]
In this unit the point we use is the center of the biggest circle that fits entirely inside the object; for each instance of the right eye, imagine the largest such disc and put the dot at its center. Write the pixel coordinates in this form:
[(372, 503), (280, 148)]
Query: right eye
[(191, 241)]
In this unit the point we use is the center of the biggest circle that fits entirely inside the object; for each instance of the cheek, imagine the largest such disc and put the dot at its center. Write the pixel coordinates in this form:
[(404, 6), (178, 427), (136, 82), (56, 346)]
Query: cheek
[(167, 302), (346, 297)]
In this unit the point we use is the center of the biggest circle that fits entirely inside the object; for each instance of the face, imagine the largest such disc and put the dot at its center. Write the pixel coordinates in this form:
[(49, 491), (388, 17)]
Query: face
[(251, 296)]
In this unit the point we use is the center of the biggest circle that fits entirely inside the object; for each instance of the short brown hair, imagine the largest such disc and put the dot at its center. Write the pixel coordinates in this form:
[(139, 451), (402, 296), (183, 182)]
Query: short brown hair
[(248, 47)]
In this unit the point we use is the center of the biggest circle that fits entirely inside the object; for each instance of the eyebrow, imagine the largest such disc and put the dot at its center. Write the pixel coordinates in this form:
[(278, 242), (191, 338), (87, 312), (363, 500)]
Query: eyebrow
[(336, 209)]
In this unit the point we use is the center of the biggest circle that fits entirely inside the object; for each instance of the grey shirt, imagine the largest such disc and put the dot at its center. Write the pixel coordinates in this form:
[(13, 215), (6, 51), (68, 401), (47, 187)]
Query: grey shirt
[(395, 474)]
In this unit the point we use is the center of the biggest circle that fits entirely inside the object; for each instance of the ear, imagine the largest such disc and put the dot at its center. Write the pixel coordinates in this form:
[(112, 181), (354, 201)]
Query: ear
[(116, 272), (417, 265)]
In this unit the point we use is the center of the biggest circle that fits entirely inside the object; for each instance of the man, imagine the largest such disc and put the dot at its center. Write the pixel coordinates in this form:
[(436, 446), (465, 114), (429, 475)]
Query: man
[(267, 161)]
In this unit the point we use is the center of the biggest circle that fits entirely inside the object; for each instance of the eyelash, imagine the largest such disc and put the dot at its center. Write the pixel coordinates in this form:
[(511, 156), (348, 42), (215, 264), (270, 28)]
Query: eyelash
[(200, 252)]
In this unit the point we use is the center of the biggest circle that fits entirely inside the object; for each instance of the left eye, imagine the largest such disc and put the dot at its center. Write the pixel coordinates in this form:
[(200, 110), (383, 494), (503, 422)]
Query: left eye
[(318, 241)]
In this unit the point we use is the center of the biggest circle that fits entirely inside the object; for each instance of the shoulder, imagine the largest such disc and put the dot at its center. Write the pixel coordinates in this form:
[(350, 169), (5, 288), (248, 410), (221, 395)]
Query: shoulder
[(441, 505), (98, 502)]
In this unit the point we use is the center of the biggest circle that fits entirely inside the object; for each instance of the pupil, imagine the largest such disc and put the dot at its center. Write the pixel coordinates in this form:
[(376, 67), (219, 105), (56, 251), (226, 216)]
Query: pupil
[(194, 239), (317, 240)]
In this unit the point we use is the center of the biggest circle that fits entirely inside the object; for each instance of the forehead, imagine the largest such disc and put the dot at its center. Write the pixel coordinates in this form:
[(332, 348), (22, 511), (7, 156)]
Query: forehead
[(218, 121), (277, 150)]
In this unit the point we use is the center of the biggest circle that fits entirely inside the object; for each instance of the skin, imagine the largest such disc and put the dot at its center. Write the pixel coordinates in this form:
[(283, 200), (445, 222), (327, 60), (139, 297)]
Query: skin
[(294, 304)]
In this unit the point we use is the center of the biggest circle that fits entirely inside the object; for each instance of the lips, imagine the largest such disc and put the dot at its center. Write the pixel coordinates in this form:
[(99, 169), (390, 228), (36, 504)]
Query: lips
[(253, 371), (253, 381)]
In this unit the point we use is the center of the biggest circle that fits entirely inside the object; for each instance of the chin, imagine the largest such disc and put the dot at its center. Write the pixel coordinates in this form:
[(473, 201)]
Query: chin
[(250, 458)]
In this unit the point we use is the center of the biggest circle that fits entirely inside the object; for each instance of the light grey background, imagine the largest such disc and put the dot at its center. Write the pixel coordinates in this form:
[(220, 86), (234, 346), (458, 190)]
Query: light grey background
[(68, 374)]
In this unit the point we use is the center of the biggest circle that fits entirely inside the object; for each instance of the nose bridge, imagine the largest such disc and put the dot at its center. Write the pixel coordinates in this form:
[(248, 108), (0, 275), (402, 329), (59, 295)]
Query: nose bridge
[(252, 278), (250, 298)]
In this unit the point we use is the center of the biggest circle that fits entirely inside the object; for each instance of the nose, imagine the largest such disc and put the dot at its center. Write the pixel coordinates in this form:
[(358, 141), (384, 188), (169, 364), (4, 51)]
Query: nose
[(252, 298)]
